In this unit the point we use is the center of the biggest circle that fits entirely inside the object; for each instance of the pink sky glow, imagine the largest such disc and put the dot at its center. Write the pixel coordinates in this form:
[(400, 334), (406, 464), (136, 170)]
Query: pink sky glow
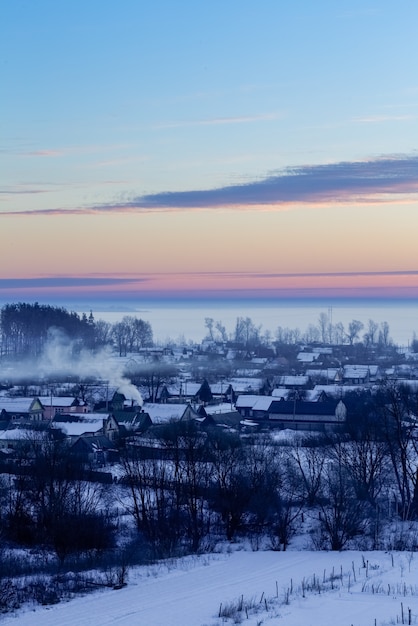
[(227, 285)]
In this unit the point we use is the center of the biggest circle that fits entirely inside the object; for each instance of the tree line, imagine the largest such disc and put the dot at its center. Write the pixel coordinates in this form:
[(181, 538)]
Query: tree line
[(26, 328), (251, 335)]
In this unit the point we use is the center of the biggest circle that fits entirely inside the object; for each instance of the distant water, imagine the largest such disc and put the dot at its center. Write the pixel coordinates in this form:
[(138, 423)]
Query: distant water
[(175, 319)]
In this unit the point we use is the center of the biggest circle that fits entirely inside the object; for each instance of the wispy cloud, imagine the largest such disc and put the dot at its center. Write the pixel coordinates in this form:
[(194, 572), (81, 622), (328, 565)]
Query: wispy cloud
[(68, 150), (217, 121), (336, 182), (380, 119), (45, 153), (375, 180), (20, 191), (65, 282)]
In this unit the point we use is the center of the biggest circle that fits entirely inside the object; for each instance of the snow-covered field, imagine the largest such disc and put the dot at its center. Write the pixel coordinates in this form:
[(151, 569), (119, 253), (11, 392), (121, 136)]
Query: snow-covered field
[(295, 588)]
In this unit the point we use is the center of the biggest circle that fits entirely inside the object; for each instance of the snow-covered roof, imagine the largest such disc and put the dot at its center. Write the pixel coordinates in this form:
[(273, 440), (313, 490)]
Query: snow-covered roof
[(223, 407), (322, 350), (307, 357), (186, 388), (164, 412), (60, 401), (329, 373), (356, 371), (80, 427), (16, 434), (336, 391), (219, 388), (294, 381), (246, 401), (17, 405), (280, 392), (312, 395), (246, 384), (263, 403)]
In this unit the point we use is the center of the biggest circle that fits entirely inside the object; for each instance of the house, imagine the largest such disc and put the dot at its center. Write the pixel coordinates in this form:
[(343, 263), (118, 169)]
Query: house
[(261, 407), (13, 438), (222, 391), (356, 374), (325, 375), (184, 391), (248, 385), (307, 357), (222, 415), (62, 404), (113, 399), (21, 409), (90, 424), (244, 404), (131, 421), (375, 373), (294, 382), (96, 450), (320, 414), (311, 416), (163, 413), (202, 418), (281, 393)]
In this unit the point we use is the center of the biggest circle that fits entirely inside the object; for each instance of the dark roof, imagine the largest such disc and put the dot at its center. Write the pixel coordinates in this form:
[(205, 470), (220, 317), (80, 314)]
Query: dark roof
[(66, 417), (301, 407), (126, 416), (99, 442)]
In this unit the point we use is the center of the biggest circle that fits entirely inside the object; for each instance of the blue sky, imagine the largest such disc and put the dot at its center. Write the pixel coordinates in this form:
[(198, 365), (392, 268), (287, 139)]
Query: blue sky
[(138, 138)]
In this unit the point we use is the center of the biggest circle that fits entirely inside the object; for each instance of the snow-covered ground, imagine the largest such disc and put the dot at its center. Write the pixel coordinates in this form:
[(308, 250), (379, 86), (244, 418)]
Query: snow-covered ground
[(295, 588)]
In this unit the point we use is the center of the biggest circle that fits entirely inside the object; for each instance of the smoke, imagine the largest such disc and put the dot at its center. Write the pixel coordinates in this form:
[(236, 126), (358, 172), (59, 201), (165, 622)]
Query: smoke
[(64, 357)]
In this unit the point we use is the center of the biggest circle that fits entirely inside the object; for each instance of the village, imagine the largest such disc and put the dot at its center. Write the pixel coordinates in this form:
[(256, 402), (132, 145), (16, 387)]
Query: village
[(301, 387), (112, 458)]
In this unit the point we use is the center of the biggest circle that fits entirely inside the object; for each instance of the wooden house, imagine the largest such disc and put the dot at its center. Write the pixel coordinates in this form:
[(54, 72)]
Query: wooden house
[(21, 409), (328, 415)]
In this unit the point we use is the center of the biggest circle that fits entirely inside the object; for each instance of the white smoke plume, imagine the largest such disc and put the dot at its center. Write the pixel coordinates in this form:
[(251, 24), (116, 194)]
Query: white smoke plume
[(62, 357)]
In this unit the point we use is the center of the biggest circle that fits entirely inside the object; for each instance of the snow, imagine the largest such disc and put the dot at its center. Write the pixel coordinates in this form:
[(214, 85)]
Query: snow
[(275, 587), (160, 413)]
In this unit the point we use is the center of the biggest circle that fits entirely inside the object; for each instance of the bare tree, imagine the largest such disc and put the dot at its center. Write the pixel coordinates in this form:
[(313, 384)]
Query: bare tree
[(370, 337), (102, 332), (339, 333), (247, 332), (222, 331), (209, 323), (121, 334), (366, 461), (398, 406), (312, 334), (323, 323), (354, 329), (151, 502), (310, 461), (342, 516), (230, 492), (384, 338)]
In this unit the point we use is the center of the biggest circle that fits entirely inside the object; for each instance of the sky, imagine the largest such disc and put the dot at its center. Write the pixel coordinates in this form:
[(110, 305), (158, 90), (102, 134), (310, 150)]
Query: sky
[(208, 149)]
